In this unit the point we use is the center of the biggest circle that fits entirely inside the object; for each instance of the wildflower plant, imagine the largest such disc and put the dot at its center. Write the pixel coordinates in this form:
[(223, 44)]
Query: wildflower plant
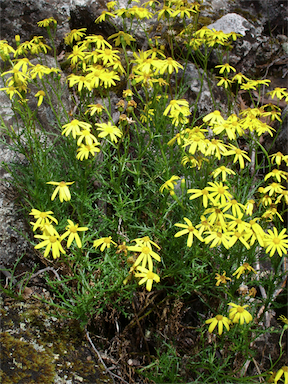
[(145, 166)]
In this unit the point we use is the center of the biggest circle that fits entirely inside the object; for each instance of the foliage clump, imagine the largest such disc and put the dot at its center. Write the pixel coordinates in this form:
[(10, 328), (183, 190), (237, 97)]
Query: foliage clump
[(131, 163)]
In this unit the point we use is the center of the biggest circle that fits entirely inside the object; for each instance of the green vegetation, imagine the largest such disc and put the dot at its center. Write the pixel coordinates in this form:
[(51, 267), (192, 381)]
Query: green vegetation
[(151, 216)]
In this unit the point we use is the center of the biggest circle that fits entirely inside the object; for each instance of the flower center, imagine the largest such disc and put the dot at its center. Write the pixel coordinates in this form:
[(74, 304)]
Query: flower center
[(52, 239), (219, 317), (150, 275)]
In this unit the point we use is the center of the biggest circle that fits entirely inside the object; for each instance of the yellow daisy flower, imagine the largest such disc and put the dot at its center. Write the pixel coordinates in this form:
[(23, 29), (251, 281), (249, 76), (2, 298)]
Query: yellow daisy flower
[(220, 321), (72, 230), (109, 129), (50, 242), (239, 314), (276, 242), (188, 229), (147, 277), (62, 188), (105, 242)]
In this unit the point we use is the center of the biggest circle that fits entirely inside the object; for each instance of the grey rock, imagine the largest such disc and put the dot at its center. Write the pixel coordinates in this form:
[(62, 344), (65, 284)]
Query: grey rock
[(232, 22), (196, 90), (21, 17)]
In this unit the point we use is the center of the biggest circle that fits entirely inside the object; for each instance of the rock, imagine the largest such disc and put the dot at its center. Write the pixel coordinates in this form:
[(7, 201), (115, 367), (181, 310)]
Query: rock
[(20, 17), (232, 22), (248, 51), (205, 103)]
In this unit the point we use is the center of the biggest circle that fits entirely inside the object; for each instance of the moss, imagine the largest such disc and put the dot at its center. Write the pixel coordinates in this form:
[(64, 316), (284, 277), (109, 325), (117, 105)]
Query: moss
[(203, 20), (21, 362), (246, 14), (43, 347)]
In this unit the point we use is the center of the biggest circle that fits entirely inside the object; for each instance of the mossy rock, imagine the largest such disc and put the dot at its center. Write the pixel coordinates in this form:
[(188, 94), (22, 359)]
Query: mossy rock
[(38, 347)]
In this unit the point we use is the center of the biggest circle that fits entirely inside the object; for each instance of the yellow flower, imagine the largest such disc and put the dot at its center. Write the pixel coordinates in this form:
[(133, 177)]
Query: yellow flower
[(283, 370), (243, 268), (121, 36), (215, 148), (225, 67), (109, 129), (98, 40), (39, 70), (62, 188), (188, 229), (239, 155), (42, 218), (278, 158), (108, 55), (284, 319), (87, 135), (95, 108), (75, 34), (218, 238), (169, 184), (200, 192), (167, 65), (276, 242), (235, 206), (249, 207), (183, 11), (239, 77), (274, 188), (127, 93), (277, 173), (139, 13), (123, 248), (146, 242), (74, 127), (107, 78), (224, 81), (220, 321), (5, 50), (110, 5), (11, 91), (180, 105), (146, 254), (46, 22), (147, 277), (72, 230), (80, 80), (213, 118), (50, 242), (84, 150), (241, 236), (239, 314), (219, 192), (223, 171), (280, 93), (40, 95), (165, 12), (77, 54), (104, 242), (221, 279), (103, 15)]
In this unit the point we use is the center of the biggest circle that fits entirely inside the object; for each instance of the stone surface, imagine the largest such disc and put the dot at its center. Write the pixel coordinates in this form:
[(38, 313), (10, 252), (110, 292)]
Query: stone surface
[(232, 22)]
